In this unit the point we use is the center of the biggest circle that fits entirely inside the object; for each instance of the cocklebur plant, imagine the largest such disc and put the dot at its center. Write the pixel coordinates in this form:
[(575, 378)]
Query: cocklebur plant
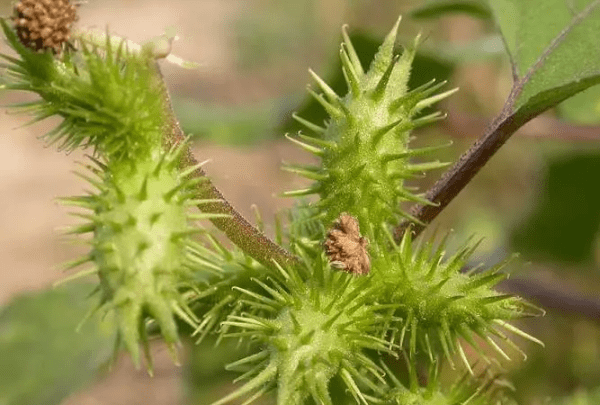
[(395, 299), (138, 213), (372, 146), (364, 148), (330, 306)]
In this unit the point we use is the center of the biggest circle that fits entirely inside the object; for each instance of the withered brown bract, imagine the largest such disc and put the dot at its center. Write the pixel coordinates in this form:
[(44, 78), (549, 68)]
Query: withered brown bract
[(346, 248)]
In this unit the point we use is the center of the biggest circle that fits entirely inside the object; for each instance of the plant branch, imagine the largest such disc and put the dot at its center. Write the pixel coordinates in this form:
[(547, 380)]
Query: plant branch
[(461, 173), (554, 296), (544, 287), (460, 124), (236, 227)]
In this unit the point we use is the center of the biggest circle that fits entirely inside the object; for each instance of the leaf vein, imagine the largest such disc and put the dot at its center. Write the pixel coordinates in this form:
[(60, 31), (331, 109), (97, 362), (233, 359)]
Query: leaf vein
[(518, 87)]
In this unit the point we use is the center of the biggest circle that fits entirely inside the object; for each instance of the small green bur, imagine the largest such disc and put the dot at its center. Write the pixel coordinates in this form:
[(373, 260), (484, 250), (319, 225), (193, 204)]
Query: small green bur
[(364, 146), (140, 225)]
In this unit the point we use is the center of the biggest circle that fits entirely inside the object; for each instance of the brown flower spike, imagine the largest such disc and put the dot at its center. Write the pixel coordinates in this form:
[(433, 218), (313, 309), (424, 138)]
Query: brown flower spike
[(346, 248), (44, 24)]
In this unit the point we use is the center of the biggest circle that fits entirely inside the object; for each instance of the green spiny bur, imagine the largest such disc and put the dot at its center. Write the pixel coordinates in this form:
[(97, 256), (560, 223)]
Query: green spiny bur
[(108, 97), (141, 233), (316, 331), (486, 388), (317, 326), (319, 329), (364, 146), (439, 304)]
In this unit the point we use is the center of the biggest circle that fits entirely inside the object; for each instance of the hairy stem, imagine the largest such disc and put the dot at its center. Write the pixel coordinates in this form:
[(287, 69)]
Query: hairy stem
[(237, 228), (467, 166), (461, 125)]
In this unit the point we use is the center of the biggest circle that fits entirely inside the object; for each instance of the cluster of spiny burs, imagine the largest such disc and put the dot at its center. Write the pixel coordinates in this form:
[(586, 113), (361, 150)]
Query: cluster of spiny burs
[(329, 329), (324, 328), (138, 210)]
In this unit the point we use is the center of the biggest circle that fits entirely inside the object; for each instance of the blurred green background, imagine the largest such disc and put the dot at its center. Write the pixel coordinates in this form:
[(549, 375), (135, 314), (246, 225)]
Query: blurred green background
[(537, 196)]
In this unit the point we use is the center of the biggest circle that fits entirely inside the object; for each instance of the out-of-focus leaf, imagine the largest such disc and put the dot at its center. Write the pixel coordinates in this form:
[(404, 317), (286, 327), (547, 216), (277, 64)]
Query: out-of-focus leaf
[(568, 362), (440, 8), (563, 225), (583, 108), (278, 30), (487, 47), (426, 67), (554, 49), (42, 358), (230, 125)]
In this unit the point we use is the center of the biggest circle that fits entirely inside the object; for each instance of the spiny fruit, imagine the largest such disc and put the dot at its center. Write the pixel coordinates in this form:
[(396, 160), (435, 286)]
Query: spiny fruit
[(364, 145), (313, 325), (108, 96), (486, 388), (439, 305), (140, 225)]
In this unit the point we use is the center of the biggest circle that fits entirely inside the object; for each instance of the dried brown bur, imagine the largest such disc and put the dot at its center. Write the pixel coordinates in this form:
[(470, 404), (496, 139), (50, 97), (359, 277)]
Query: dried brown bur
[(346, 248), (44, 24)]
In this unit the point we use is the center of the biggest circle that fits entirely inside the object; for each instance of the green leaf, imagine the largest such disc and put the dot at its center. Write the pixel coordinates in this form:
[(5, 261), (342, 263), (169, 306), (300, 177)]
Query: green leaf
[(42, 358), (583, 108), (554, 50), (439, 8), (565, 221)]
